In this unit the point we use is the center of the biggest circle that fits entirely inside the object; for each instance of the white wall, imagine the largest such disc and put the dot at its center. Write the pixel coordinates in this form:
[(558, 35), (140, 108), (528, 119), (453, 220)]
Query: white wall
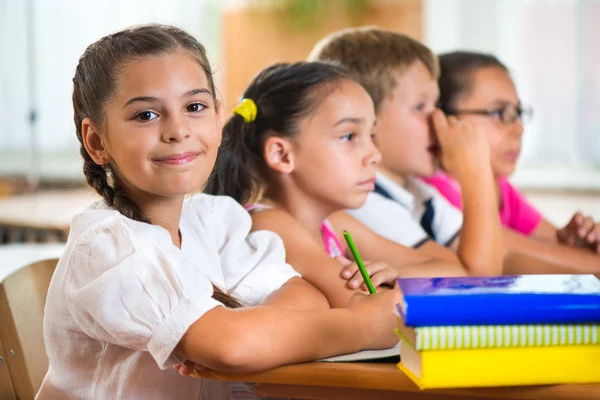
[(550, 47), (62, 31)]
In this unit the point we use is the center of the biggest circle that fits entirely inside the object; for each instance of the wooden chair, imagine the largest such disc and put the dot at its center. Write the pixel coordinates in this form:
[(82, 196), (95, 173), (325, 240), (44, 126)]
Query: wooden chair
[(22, 300)]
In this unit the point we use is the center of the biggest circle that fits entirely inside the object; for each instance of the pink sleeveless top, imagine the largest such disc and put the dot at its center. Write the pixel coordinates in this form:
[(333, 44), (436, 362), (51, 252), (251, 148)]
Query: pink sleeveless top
[(516, 212), (332, 244)]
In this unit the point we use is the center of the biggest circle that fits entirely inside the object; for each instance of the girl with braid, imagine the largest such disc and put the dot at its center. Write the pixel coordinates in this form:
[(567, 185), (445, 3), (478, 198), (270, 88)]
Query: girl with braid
[(150, 276)]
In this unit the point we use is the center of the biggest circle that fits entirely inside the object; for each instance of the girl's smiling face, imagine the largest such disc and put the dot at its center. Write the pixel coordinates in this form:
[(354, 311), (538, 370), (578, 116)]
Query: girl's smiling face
[(162, 128)]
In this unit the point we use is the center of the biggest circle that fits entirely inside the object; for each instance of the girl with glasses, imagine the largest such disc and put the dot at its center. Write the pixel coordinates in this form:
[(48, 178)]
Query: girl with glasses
[(478, 88)]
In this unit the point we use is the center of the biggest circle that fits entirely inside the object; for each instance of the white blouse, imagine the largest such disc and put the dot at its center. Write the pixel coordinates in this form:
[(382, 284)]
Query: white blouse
[(123, 296)]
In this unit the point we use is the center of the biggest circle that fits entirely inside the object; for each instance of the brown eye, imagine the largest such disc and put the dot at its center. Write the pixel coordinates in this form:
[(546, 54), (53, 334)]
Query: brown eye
[(146, 116), (195, 107)]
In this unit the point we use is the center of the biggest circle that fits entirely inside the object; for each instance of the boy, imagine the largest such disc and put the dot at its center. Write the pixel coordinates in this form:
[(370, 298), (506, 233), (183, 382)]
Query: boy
[(401, 76)]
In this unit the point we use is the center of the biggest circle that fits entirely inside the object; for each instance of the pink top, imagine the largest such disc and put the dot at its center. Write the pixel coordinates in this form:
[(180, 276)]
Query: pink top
[(515, 211), (332, 244)]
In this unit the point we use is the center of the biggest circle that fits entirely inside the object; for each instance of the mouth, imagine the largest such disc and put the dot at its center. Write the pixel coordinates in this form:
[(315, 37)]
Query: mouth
[(178, 159), (512, 155), (368, 184)]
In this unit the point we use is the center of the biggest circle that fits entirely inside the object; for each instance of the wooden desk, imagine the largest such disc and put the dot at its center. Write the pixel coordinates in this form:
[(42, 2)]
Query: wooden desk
[(46, 210), (381, 381)]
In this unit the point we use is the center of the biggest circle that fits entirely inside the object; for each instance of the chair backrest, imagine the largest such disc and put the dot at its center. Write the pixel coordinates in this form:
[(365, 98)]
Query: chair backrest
[(7, 390), (22, 300)]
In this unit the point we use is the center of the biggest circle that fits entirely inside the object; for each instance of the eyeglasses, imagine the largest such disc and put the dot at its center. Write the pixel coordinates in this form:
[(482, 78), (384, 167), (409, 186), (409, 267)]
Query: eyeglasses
[(507, 114)]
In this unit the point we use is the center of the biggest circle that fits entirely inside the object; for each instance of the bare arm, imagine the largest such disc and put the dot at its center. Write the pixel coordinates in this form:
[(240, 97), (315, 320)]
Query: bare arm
[(432, 249), (254, 339), (409, 261), (305, 255), (465, 154), (259, 338), (545, 232), (298, 294), (480, 247), (516, 263), (576, 260)]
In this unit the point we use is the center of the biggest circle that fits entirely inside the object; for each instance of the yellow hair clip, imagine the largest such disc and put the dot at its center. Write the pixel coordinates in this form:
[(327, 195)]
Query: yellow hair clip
[(247, 109)]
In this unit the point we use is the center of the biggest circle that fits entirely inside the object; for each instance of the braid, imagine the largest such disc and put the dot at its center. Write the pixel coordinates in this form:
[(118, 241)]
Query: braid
[(125, 204), (115, 197), (97, 178), (93, 86), (227, 299)]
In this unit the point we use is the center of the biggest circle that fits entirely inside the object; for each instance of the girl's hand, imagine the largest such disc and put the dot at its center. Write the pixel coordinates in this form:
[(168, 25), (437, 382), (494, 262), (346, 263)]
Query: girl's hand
[(375, 317), (381, 273), (186, 368), (463, 147), (581, 231)]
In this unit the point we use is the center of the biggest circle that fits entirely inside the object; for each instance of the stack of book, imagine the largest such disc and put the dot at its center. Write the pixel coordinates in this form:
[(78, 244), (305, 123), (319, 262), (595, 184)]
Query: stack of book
[(500, 331)]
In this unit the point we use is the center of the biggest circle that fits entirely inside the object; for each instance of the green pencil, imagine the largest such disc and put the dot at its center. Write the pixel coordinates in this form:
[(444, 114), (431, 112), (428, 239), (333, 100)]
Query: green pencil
[(359, 262)]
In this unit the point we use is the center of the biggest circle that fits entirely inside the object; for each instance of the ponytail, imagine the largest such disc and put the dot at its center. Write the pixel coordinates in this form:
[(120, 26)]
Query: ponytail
[(235, 173)]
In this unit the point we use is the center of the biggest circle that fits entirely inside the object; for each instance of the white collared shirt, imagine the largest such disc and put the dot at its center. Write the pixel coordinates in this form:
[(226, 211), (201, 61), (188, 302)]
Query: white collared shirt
[(123, 296), (398, 218)]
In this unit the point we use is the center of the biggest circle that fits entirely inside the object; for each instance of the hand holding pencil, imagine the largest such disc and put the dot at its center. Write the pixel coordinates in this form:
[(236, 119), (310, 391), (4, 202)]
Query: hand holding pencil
[(369, 274)]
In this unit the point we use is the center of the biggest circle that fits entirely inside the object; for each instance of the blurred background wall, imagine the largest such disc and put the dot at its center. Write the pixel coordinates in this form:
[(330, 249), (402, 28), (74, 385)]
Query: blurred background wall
[(549, 46)]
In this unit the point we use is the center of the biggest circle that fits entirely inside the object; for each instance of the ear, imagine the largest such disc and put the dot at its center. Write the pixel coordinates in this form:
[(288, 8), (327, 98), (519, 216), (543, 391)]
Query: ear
[(278, 154), (93, 142)]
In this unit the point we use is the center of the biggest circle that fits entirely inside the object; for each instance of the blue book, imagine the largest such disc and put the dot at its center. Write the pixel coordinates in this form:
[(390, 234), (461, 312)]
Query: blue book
[(502, 300)]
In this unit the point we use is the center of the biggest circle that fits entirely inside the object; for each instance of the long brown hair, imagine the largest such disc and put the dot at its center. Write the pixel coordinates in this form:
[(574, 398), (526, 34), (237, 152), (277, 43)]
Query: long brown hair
[(94, 85), (456, 75)]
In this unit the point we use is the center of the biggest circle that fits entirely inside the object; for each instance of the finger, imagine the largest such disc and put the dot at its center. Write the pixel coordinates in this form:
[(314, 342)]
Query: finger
[(373, 268), (440, 122), (594, 235), (343, 260), (387, 276), (585, 227), (563, 234), (186, 370), (577, 219), (349, 271), (453, 122), (597, 231), (356, 280)]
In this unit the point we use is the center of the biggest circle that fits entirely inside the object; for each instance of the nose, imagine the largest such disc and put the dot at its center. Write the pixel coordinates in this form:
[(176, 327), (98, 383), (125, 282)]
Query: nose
[(517, 128), (373, 156), (175, 130)]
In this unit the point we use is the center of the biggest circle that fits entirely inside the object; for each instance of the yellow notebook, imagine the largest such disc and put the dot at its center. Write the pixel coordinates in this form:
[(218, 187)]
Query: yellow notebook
[(500, 366)]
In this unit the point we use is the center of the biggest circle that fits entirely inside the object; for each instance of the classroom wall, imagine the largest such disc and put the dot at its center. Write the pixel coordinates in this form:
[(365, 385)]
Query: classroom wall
[(254, 38)]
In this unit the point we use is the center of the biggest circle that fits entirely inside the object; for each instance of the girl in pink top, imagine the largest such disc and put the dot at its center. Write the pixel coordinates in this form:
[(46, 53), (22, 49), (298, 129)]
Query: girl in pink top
[(478, 88), (515, 211), (301, 144)]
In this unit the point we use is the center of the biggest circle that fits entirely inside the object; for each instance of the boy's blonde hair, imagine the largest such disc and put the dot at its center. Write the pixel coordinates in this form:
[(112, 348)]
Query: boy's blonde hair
[(375, 56)]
